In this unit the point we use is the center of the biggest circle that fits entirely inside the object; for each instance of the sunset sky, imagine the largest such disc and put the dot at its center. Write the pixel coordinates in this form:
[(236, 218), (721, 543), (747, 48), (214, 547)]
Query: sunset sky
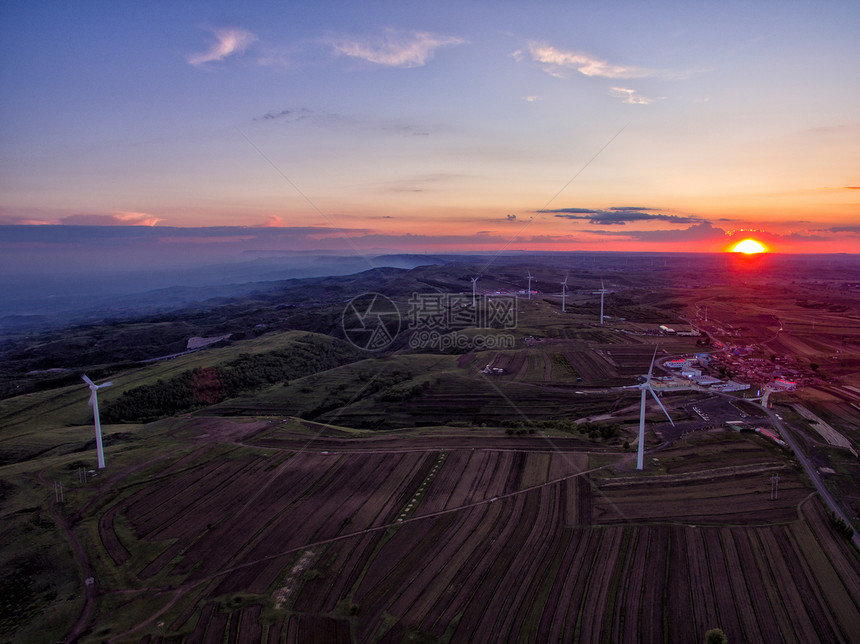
[(435, 126)]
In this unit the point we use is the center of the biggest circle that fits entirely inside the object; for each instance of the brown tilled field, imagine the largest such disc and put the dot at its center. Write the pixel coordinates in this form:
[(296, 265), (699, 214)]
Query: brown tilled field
[(349, 539)]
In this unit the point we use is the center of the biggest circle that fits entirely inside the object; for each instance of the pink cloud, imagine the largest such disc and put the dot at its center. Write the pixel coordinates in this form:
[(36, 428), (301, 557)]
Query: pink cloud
[(122, 218), (395, 48), (227, 43)]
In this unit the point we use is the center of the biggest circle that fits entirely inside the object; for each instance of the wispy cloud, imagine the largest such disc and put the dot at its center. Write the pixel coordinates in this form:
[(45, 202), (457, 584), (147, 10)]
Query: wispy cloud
[(6, 220), (120, 218), (394, 48), (556, 61), (697, 232), (123, 218), (227, 43), (206, 239), (620, 216), (532, 99), (630, 96), (137, 218), (575, 211), (840, 229), (273, 222), (297, 114)]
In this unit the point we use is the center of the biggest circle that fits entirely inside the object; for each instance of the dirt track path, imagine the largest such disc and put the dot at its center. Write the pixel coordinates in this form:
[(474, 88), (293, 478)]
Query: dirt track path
[(91, 588), (91, 584)]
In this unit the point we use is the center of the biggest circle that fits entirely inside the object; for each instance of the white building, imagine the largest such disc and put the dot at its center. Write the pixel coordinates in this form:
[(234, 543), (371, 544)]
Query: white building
[(731, 385)]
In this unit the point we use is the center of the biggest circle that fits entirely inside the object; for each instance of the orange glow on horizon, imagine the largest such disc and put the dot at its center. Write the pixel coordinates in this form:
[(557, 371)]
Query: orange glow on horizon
[(749, 247)]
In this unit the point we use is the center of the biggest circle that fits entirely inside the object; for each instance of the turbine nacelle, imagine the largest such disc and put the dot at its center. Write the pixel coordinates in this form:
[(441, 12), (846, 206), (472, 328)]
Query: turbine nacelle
[(94, 388)]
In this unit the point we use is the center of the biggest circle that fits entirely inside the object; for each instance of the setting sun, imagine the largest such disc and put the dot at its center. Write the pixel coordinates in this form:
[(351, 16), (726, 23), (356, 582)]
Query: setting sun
[(748, 246)]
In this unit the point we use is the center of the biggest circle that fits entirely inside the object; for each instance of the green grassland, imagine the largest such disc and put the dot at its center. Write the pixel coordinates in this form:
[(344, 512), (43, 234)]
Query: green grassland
[(26, 419)]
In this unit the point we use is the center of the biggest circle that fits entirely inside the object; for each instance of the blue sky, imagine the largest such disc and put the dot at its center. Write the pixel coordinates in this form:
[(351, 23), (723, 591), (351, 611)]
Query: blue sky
[(455, 124)]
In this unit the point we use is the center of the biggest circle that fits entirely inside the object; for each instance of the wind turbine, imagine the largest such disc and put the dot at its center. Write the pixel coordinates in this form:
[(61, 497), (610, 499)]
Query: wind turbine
[(530, 283), (94, 401), (602, 292), (563, 292), (645, 387)]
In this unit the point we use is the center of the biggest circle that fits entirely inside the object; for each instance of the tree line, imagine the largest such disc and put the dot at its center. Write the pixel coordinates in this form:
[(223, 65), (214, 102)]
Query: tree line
[(204, 386)]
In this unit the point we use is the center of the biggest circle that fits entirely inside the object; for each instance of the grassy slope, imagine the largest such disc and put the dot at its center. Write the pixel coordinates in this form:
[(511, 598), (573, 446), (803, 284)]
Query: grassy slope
[(27, 420)]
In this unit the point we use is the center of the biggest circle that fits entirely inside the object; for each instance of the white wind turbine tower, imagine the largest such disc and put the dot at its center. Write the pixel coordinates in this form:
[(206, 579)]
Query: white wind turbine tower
[(94, 401), (645, 387), (530, 283), (602, 293), (474, 290), (563, 292)]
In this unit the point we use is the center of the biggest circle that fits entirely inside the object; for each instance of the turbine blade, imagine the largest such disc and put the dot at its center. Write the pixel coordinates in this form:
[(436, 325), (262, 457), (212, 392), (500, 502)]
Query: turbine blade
[(105, 384), (88, 381), (654, 395), (92, 398)]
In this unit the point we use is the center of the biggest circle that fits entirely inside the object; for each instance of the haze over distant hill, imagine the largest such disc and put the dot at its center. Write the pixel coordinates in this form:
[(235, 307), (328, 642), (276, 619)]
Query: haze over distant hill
[(54, 275), (51, 276)]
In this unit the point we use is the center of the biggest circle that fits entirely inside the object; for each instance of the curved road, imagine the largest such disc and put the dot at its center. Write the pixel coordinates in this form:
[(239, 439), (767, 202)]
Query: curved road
[(807, 464), (786, 435)]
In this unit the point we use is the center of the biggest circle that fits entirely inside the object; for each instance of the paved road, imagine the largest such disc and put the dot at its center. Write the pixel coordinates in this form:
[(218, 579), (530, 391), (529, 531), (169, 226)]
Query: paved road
[(786, 435), (808, 466)]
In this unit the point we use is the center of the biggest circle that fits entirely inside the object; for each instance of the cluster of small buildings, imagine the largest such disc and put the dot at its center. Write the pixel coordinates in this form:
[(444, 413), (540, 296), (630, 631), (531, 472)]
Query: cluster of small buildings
[(743, 371), (691, 368), (780, 373)]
